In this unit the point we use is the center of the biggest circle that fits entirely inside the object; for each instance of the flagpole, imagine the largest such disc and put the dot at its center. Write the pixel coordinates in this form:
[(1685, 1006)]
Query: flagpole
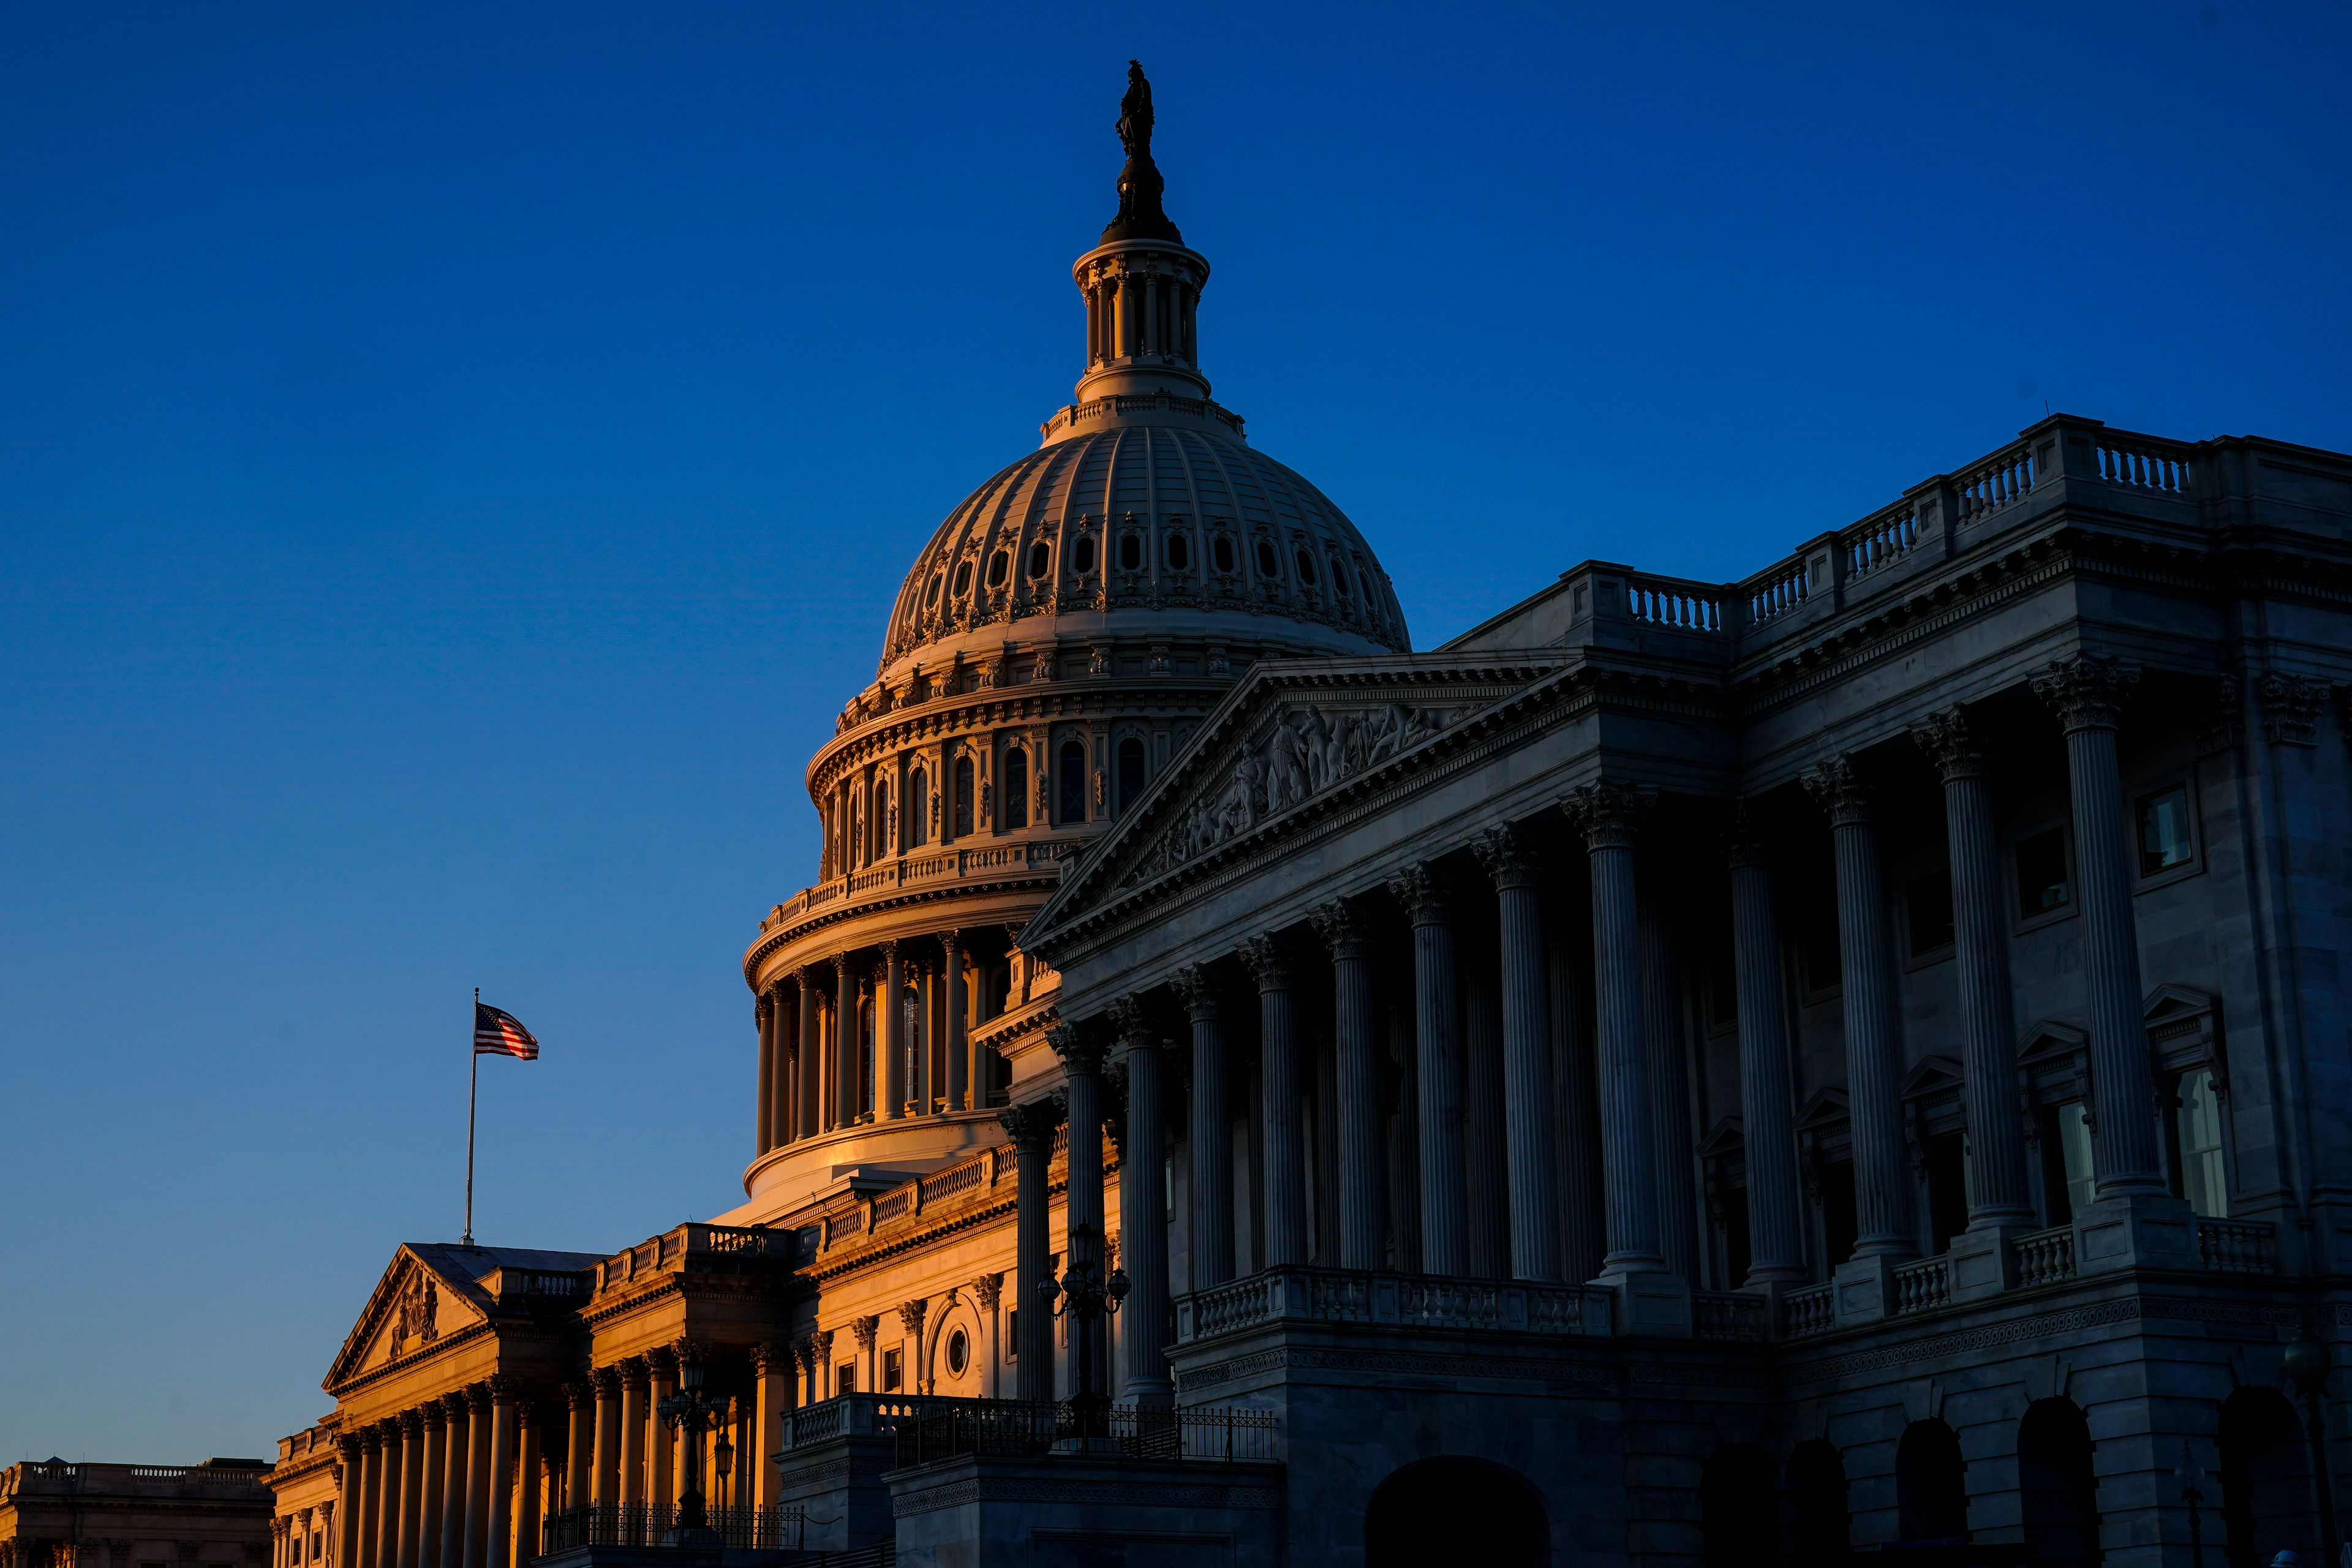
[(473, 1082)]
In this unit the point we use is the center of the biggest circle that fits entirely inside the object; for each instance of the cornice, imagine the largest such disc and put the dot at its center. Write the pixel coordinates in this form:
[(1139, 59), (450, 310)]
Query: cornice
[(1028, 879)]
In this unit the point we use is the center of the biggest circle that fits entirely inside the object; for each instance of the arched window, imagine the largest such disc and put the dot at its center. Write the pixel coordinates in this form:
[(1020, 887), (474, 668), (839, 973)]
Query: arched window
[(1735, 1503), (1456, 1510), (1815, 1523), (963, 797), (1072, 807), (2267, 1492), (1131, 778), (2058, 1493), (1931, 1489), (877, 825), (919, 808), (1017, 788)]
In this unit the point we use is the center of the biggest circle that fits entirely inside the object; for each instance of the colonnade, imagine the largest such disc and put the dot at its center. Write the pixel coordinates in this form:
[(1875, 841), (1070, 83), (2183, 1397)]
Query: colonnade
[(440, 1485), (618, 1452), (1543, 1079), (816, 1073), (303, 1536)]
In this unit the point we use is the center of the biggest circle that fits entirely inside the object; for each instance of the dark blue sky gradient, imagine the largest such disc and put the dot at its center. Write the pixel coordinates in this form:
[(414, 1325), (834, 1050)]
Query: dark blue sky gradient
[(453, 466)]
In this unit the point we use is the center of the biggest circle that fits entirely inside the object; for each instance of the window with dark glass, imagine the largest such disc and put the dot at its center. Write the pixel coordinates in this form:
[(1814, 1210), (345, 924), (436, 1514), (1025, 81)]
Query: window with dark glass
[(963, 797), (2044, 878), (1839, 1227), (1072, 807), (1305, 568), (997, 568), (1041, 558), (878, 825), (1180, 552), (1131, 773), (1012, 1334), (1339, 575), (1220, 551), (846, 1378), (1928, 910), (962, 577), (958, 1351), (1269, 564), (894, 1370), (2197, 1144), (2164, 834), (919, 808), (933, 596), (1131, 552), (1017, 788), (1738, 1245), (1082, 554), (1947, 1187)]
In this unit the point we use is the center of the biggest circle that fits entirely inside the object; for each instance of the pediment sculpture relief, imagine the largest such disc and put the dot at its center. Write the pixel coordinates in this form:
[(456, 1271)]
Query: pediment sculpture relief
[(1306, 752), (413, 1316)]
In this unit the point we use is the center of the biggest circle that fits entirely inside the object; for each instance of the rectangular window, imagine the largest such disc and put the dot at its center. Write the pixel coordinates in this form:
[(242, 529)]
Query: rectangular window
[(1947, 1187), (2066, 1155), (894, 1370), (2164, 840), (2197, 1144), (1012, 1334), (295, 1552), (1820, 948), (846, 1379), (2044, 878), (1839, 1227), (1928, 909)]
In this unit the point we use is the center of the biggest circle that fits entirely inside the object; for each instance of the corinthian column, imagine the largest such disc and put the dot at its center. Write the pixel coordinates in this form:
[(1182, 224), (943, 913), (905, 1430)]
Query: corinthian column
[(497, 1520), (1082, 1061), (1609, 817), (812, 1080), (1212, 1162), (1882, 1178), (1980, 949), (478, 1477), (455, 1464), (581, 1393), (410, 1501), (1143, 1210), (661, 1450), (763, 1133), (633, 1433), (1286, 1160), (359, 1514), (2087, 693), (962, 1093), (1357, 1030), (781, 1098), (1444, 1205), (1031, 1128), (1766, 1099), (848, 1076), (891, 1087), (606, 1483), (428, 1512), (1528, 1133)]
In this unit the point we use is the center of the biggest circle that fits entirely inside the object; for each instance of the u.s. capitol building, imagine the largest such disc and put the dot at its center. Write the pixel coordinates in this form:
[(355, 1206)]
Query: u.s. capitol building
[(1681, 1072)]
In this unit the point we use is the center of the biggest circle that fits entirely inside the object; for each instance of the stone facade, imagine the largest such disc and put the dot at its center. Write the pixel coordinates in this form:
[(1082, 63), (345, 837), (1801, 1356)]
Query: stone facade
[(1679, 1073), (213, 1515)]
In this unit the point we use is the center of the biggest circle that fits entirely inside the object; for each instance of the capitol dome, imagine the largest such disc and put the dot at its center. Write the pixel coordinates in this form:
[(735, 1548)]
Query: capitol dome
[(1160, 505)]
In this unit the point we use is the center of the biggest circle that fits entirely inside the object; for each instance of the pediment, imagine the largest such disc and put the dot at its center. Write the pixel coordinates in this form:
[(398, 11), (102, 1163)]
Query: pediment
[(1290, 741), (414, 1306), (1930, 1077), (1727, 1139), (2051, 1042), (1825, 1110)]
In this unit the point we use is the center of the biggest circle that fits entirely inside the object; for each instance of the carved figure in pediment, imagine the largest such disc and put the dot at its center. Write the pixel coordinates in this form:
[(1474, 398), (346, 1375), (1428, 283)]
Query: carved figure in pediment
[(1237, 806), (413, 1314), (1285, 771)]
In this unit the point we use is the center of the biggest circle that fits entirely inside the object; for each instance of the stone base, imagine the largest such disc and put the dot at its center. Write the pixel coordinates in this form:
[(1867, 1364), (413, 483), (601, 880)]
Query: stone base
[(999, 1511), (1864, 1288), (1650, 1304), (1983, 1263), (2141, 1230)]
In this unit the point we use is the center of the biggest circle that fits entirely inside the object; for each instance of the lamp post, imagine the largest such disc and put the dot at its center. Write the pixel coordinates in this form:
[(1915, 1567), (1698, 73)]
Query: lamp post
[(1084, 1297), (692, 1412), (2189, 1476), (2307, 1364)]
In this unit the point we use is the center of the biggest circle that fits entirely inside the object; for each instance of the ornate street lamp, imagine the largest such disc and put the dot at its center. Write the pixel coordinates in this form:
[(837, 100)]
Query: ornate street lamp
[(691, 1412), (1084, 1297), (2189, 1476), (2307, 1364)]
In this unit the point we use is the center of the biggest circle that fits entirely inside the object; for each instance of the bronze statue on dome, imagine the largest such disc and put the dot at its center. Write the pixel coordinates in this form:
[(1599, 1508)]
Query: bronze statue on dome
[(1140, 215)]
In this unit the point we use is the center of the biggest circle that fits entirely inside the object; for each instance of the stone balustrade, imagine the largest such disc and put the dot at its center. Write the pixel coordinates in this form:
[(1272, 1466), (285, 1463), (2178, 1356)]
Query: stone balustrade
[(2044, 1257), (1924, 1286), (2238, 1245), (1810, 1312), (1736, 1315), (921, 869), (1297, 1293)]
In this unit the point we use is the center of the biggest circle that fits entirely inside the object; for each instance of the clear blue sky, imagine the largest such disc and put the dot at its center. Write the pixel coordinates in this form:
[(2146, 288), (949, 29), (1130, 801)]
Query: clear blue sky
[(452, 468)]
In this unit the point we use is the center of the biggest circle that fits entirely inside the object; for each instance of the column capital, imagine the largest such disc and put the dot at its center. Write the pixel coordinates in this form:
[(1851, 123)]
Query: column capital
[(1952, 743), (605, 1381), (412, 1423), (761, 1006), (1081, 1051), (476, 1396), (912, 1315), (504, 1389), (2086, 691), (1031, 1124), (454, 1406), (2290, 706), (768, 1358), (636, 1373), (1341, 928), (1131, 1022), (1509, 858), (1198, 989), (350, 1447), (1840, 790), (951, 942), (1267, 963), (580, 1393), (821, 1342), (1422, 891), (663, 1361), (1608, 815), (866, 1328), (986, 1290), (435, 1415), (888, 949)]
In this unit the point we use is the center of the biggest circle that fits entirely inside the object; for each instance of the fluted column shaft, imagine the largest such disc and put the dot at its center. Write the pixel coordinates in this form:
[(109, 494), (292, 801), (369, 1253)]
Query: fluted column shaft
[(1766, 1099), (605, 1484), (1670, 1100), (632, 1434), (891, 1092), (1143, 1218), (1356, 1032), (848, 1076), (1576, 1099), (2088, 693), (1210, 1224), (499, 1526), (782, 1021), (359, 1517), (763, 1133), (410, 1505), (530, 1502), (1881, 1175), (579, 1449), (1031, 1128), (1527, 1129), (813, 1080), (1444, 1206), (661, 1451), (478, 1477), (1404, 1139), (456, 1461), (962, 1092), (1285, 1160), (1082, 1074), (1486, 1171), (384, 1499), (1610, 818), (428, 1510), (1980, 953)]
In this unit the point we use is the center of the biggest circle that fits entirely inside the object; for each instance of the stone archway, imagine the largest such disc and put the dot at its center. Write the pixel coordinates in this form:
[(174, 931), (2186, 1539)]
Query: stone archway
[(2058, 1492), (1815, 1522), (942, 1371), (2267, 1499), (1456, 1511), (1931, 1489)]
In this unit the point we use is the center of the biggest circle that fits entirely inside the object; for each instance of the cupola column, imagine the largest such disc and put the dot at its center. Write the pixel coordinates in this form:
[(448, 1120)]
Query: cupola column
[(810, 1110), (963, 1092), (891, 1090), (846, 1072), (763, 1018)]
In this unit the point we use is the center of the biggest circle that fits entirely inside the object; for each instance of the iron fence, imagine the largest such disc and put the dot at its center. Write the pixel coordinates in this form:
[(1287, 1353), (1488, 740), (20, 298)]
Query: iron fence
[(655, 1524)]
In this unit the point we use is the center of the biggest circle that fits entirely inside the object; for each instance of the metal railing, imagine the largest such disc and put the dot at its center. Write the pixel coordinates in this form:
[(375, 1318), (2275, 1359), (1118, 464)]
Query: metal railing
[(655, 1524), (944, 1429)]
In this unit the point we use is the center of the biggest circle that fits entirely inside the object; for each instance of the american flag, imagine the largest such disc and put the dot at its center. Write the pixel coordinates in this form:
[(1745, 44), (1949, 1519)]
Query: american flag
[(499, 1033)]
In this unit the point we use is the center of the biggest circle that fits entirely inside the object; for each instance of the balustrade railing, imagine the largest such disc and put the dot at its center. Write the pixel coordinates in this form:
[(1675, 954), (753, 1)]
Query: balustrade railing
[(1667, 602), (1297, 1293), (2140, 463), (1727, 1315), (656, 1525), (2045, 1257), (1811, 1310), (944, 1429), (2238, 1245), (913, 869), (1924, 1286), (1876, 541), (1777, 592), (1999, 481)]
